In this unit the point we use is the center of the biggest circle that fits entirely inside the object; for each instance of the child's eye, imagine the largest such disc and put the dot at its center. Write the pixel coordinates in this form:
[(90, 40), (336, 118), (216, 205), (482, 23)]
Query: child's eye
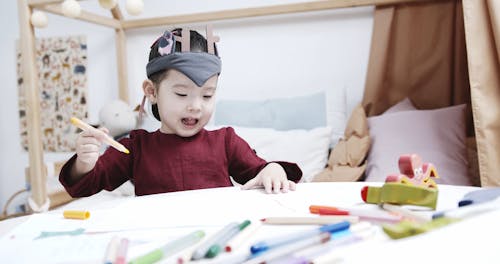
[(181, 95), (207, 96)]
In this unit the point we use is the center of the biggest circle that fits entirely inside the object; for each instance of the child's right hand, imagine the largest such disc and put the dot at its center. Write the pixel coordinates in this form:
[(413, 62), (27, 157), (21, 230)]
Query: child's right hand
[(88, 145)]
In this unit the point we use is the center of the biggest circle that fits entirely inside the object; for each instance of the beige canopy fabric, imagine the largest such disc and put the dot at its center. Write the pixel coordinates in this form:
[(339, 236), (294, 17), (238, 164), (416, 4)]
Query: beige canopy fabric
[(482, 31), (419, 51)]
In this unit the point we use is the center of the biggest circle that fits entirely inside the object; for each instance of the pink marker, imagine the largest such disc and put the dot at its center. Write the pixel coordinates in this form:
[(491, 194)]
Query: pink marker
[(121, 254)]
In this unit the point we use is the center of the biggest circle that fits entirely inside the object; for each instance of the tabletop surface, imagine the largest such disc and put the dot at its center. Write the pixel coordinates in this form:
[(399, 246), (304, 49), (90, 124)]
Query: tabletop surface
[(151, 220)]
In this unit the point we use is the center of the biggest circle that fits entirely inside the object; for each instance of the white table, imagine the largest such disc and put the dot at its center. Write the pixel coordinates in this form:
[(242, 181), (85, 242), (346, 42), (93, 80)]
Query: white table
[(151, 220)]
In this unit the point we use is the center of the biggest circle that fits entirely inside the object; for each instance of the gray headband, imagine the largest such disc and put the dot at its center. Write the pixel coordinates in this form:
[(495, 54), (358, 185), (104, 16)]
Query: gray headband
[(197, 66)]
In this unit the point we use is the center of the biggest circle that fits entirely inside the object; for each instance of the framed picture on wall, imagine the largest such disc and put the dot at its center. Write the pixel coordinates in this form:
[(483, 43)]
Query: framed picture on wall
[(61, 63)]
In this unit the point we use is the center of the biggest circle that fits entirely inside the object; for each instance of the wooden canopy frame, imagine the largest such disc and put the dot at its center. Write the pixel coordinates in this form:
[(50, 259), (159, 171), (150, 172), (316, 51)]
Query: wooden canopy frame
[(37, 171)]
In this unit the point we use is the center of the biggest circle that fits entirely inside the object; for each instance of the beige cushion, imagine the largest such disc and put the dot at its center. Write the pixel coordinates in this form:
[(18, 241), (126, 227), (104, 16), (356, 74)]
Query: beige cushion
[(346, 160), (357, 149), (357, 123), (340, 174)]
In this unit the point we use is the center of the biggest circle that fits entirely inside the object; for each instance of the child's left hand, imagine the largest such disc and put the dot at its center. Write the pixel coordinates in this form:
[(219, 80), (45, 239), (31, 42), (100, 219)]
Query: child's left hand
[(273, 178)]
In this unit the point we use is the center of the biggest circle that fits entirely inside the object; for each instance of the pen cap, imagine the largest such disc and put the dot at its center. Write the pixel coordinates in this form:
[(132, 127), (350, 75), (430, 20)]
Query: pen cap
[(73, 214), (371, 194)]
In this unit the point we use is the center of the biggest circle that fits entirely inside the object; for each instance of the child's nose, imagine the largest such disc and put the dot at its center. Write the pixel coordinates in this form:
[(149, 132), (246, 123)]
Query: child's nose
[(194, 105)]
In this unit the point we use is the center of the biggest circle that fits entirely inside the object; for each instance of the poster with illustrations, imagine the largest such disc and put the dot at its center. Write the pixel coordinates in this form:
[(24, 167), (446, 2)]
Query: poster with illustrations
[(61, 64)]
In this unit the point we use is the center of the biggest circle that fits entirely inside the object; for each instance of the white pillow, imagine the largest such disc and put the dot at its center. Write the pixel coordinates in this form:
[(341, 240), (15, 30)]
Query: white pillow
[(307, 148)]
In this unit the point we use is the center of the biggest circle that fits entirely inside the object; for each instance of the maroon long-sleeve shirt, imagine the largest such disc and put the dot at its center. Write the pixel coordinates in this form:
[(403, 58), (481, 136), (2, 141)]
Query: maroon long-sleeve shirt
[(160, 163)]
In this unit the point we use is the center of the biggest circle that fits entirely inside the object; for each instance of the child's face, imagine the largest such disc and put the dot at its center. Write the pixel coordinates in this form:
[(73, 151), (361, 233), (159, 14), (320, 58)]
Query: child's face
[(185, 108)]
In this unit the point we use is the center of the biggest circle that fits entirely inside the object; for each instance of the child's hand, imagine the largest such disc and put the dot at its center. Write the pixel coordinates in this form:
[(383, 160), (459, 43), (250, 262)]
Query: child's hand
[(273, 178), (88, 145)]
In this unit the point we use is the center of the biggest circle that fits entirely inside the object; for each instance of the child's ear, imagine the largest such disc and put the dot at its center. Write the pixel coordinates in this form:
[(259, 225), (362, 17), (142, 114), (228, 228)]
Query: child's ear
[(149, 91)]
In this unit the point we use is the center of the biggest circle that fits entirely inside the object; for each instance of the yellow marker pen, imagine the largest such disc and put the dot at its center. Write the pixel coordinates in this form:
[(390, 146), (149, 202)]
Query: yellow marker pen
[(74, 214), (107, 139)]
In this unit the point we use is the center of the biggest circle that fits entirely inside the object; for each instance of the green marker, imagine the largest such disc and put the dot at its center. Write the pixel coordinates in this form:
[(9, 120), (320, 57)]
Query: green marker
[(407, 228), (218, 245), (169, 249)]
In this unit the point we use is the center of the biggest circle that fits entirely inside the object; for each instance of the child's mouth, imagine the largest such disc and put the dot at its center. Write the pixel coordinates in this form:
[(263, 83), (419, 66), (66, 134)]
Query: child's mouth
[(189, 121)]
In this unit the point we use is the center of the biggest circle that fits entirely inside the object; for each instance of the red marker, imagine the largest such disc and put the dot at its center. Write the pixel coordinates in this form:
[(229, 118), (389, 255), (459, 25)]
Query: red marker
[(366, 215)]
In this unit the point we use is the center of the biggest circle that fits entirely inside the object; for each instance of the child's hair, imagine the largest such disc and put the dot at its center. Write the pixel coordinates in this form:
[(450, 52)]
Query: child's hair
[(198, 43)]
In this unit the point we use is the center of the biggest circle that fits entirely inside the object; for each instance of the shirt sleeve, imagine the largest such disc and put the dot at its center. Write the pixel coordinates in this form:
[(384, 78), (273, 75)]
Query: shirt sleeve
[(244, 164), (112, 169)]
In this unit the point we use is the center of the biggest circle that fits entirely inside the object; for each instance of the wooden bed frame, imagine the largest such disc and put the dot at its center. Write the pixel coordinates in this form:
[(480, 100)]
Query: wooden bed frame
[(36, 170)]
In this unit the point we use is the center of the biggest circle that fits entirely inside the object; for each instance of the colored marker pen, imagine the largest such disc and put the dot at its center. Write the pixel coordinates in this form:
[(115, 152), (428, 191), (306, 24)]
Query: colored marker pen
[(275, 242), (74, 214), (169, 249), (218, 245)]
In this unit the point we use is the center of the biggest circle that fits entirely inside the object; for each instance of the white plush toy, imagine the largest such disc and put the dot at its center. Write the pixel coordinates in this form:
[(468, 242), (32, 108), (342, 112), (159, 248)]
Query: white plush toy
[(118, 117)]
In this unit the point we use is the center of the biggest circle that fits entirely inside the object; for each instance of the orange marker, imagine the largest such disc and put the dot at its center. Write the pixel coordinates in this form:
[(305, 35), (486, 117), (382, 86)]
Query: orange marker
[(315, 209), (74, 214), (365, 215)]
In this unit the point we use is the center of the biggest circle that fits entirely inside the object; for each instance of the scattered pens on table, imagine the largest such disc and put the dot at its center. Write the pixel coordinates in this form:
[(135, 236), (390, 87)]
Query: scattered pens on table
[(75, 214), (405, 213), (109, 140), (273, 242), (292, 246), (169, 248), (242, 236), (202, 250), (356, 233), (112, 250), (220, 243), (309, 220), (377, 216)]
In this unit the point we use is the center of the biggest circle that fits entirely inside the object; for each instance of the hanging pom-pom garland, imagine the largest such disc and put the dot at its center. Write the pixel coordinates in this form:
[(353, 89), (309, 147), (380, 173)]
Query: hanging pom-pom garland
[(108, 4), (134, 7), (71, 8), (39, 19)]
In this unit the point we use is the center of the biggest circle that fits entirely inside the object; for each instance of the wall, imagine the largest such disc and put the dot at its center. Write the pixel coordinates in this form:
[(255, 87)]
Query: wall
[(276, 56)]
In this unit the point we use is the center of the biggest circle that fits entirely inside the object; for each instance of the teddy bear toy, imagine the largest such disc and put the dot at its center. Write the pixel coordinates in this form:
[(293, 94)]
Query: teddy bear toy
[(119, 118)]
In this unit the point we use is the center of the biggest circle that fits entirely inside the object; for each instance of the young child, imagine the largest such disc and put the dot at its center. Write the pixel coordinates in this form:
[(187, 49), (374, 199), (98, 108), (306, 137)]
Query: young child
[(182, 71)]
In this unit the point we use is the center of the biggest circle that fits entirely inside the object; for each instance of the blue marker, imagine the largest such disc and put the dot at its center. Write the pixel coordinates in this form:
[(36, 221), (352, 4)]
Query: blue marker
[(469, 210), (479, 196), (276, 242)]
